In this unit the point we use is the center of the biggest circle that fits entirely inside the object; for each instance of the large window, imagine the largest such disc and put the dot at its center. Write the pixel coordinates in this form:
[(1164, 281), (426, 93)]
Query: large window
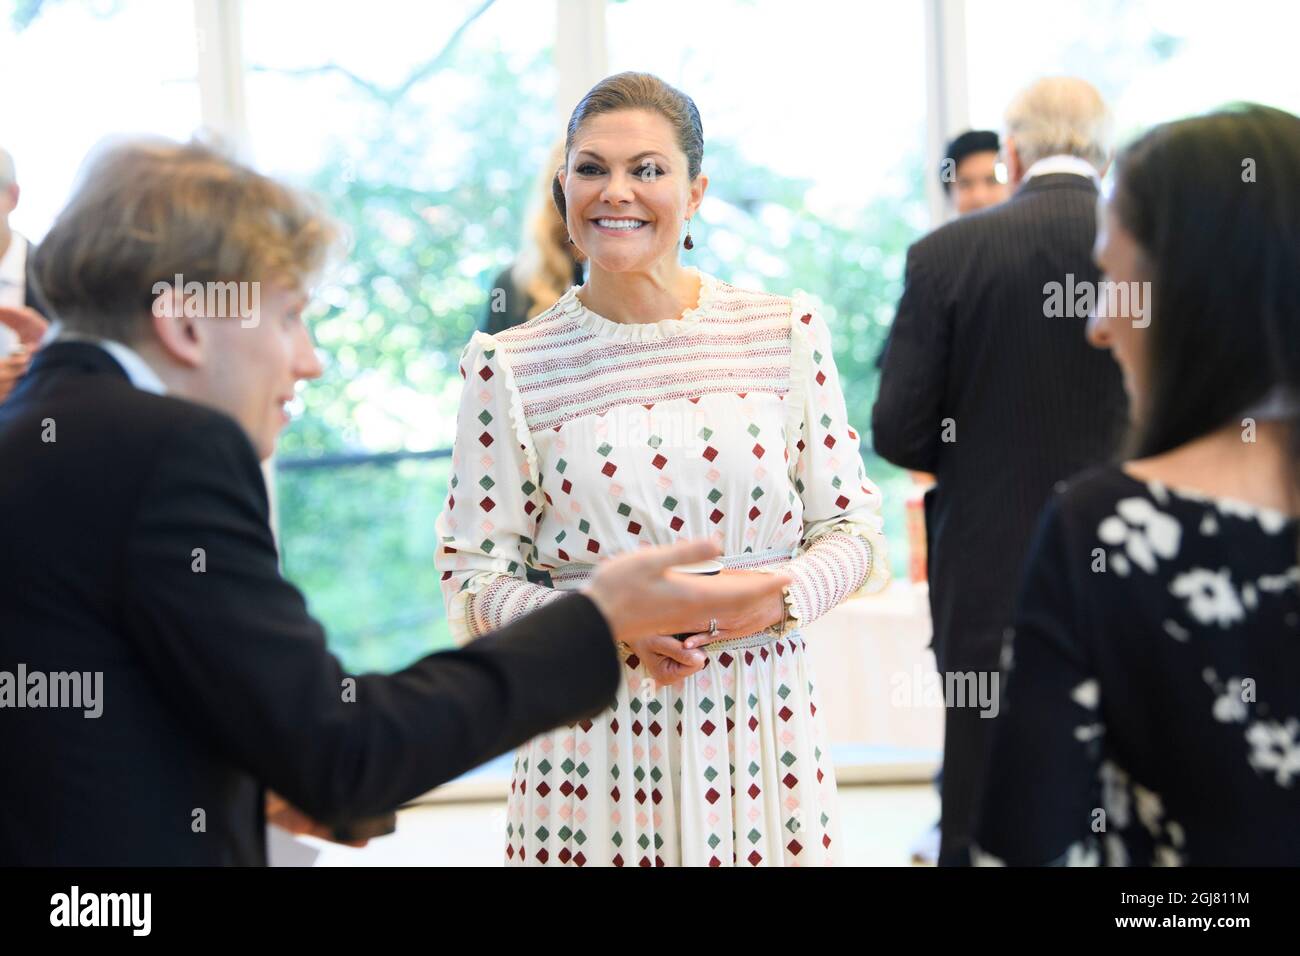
[(74, 73), (424, 132), (1153, 61)]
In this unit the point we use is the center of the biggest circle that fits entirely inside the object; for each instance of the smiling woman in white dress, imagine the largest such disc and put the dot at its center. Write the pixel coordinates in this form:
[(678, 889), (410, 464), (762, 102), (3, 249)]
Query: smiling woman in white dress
[(656, 403)]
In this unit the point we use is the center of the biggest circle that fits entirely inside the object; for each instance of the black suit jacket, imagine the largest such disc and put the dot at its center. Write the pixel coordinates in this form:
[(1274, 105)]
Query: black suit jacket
[(1030, 401), (216, 682)]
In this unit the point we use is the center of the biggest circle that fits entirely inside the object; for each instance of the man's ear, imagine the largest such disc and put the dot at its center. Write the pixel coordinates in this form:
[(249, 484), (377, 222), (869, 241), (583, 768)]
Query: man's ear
[(1015, 171), (179, 335)]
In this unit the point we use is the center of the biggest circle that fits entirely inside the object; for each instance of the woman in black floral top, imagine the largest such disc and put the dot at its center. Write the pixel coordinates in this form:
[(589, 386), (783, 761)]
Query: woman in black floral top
[(1152, 707)]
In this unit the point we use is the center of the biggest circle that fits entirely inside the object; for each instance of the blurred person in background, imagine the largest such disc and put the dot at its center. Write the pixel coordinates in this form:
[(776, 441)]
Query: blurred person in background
[(22, 325), (972, 172), (999, 396), (548, 263)]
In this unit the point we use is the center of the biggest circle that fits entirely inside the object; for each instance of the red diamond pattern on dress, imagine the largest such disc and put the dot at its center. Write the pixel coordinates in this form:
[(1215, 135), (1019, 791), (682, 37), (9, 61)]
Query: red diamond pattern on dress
[(566, 486), (640, 796), (633, 527), (708, 727), (655, 729), (725, 659), (485, 373), (754, 791), (659, 461), (842, 502), (754, 858), (676, 523), (710, 453), (579, 859), (609, 469), (716, 516), (593, 546), (637, 728), (487, 504), (826, 840), (585, 725), (830, 441), (714, 861), (712, 795), (543, 788), (566, 788), (529, 507), (753, 722), (563, 854), (821, 378), (615, 795), (618, 859), (788, 516), (785, 713), (758, 450), (581, 792), (806, 318), (485, 439), (754, 513), (794, 847), (510, 851), (790, 780)]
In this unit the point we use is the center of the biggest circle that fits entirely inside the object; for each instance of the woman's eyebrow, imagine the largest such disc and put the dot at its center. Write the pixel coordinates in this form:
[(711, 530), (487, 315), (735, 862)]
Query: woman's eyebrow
[(642, 155)]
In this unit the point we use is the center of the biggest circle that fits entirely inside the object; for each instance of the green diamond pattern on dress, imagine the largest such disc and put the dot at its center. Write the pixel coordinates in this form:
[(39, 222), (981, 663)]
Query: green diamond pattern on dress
[(654, 441), (783, 692), (753, 768), (561, 536), (579, 838), (709, 774), (659, 842), (567, 767), (792, 824), (561, 465), (583, 770), (714, 495), (635, 705), (817, 357), (726, 699), (584, 526), (655, 774), (825, 819), (624, 509), (706, 433), (678, 705), (528, 487), (614, 771), (754, 835), (604, 449), (485, 416), (753, 701), (714, 840), (542, 833), (617, 839), (756, 493), (564, 833), (486, 483), (639, 773), (643, 841), (798, 484), (754, 430), (654, 706), (706, 704), (826, 421), (670, 502), (787, 758), (487, 546)]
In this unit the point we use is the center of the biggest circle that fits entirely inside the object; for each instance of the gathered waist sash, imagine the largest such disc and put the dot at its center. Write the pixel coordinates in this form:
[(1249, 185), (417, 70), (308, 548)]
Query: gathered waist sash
[(570, 577)]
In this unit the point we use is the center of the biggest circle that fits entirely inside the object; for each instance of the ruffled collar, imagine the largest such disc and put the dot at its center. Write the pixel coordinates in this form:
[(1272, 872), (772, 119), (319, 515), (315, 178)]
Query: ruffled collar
[(570, 304)]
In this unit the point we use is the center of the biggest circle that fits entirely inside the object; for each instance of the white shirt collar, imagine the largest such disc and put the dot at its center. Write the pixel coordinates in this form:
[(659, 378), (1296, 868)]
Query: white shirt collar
[(140, 373), (1062, 163)]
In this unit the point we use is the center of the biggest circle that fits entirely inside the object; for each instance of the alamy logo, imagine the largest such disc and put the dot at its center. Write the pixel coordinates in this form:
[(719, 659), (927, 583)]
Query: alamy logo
[(78, 690), (221, 300), (102, 909), (1080, 300)]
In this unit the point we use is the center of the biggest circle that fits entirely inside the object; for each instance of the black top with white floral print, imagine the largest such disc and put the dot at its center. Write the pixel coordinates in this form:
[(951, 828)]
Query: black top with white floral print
[(1152, 705)]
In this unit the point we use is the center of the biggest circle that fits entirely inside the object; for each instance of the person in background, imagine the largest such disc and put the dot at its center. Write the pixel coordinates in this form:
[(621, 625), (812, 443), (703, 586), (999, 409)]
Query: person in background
[(1152, 712), (548, 263), (972, 173), (21, 323), (989, 387)]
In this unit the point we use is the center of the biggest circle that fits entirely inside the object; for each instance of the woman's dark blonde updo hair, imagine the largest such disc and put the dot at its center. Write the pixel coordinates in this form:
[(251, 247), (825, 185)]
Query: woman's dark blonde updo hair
[(637, 91)]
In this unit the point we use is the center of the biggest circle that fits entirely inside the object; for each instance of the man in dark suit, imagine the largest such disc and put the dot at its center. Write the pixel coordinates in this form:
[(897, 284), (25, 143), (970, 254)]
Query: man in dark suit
[(157, 675), (988, 383)]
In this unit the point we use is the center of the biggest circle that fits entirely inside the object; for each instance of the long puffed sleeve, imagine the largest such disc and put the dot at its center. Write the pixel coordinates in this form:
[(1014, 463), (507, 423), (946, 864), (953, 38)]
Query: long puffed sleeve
[(842, 552), (494, 499)]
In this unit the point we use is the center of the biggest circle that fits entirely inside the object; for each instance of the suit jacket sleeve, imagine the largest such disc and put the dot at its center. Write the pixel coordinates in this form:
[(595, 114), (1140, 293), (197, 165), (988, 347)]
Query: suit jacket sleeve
[(906, 422), (235, 651)]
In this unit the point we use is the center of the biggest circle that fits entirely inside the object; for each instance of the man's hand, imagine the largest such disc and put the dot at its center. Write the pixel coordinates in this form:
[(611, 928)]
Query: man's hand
[(31, 329), (641, 598), (29, 325), (287, 817)]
